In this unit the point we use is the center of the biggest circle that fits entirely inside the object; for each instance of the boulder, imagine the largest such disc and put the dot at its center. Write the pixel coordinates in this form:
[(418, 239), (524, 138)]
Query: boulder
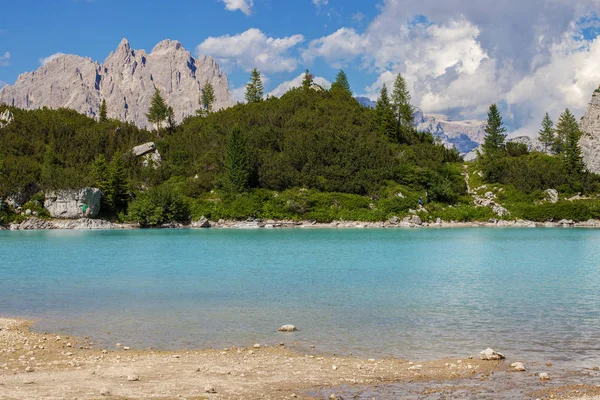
[(70, 203), (287, 328), (551, 195), (518, 366), (143, 149), (202, 223), (489, 354)]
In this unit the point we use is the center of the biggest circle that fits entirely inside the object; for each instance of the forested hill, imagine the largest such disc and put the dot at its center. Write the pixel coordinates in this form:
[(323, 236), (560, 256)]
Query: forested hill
[(318, 140)]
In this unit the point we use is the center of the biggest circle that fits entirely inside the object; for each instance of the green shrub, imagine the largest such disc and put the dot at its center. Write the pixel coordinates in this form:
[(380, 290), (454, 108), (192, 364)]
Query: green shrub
[(157, 206)]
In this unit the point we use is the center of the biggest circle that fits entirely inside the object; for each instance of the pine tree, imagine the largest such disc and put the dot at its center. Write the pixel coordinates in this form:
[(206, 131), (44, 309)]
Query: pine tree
[(404, 111), (569, 132), (384, 116), (237, 163), (48, 168), (117, 184), (546, 134), (341, 83), (207, 99), (254, 88), (157, 113), (170, 119), (308, 80), (494, 129), (99, 178), (103, 112)]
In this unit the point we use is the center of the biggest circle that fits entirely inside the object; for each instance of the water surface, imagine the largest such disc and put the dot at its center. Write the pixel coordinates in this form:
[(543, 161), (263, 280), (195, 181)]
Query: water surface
[(532, 293)]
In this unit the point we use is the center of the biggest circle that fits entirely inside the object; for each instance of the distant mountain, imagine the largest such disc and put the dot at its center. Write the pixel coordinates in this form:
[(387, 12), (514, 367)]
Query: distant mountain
[(462, 135), (126, 80)]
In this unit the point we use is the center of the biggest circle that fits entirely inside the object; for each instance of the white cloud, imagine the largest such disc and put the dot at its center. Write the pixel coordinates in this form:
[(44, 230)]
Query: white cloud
[(320, 3), (238, 94), (244, 6), (253, 49), (50, 58), (338, 48), (5, 59), (297, 82), (464, 55)]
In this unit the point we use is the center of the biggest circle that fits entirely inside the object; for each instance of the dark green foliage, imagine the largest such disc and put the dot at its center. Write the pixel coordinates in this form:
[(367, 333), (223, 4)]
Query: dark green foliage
[(576, 211), (158, 112), (207, 100), (171, 125), (254, 88), (307, 81), (237, 178), (384, 116), (546, 135), (495, 133), (403, 109), (568, 133), (514, 149), (116, 192), (341, 84), (103, 112), (157, 206)]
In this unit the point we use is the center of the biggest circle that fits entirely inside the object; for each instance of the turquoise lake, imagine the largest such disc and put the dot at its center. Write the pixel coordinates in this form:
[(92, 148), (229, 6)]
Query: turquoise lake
[(430, 293)]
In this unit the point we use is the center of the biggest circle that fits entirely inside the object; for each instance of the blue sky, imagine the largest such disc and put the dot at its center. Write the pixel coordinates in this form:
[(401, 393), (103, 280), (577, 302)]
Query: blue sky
[(458, 56)]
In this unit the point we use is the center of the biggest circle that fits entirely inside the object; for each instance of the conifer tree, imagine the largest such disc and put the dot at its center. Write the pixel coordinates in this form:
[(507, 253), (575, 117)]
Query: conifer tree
[(308, 80), (494, 129), (404, 111), (569, 132), (546, 134), (171, 119), (99, 178), (117, 184), (384, 116), (237, 163), (207, 99), (254, 88), (48, 168), (158, 111), (103, 112), (341, 83)]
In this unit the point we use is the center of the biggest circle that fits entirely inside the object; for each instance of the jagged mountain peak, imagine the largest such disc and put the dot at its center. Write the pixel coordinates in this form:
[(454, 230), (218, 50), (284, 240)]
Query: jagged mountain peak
[(126, 80)]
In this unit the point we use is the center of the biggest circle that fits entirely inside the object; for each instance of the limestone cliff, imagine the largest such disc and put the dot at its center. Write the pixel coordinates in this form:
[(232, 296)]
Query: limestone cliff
[(126, 80), (590, 140)]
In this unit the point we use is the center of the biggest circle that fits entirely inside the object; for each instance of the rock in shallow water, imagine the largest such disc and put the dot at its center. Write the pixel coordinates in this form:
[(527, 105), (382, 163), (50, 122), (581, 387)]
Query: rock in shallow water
[(287, 328), (489, 354)]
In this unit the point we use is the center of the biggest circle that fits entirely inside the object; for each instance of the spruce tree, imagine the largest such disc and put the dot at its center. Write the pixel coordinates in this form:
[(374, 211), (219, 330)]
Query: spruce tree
[(308, 80), (171, 119), (99, 178), (404, 111), (494, 129), (384, 116), (207, 99), (569, 132), (103, 112), (48, 168), (546, 134), (254, 88), (341, 83), (237, 163), (157, 113), (117, 184)]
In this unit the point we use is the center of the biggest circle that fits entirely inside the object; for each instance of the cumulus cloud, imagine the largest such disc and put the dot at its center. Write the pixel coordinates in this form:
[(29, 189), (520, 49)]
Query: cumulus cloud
[(244, 6), (459, 56), (338, 48), (297, 82), (253, 49), (5, 59), (44, 61)]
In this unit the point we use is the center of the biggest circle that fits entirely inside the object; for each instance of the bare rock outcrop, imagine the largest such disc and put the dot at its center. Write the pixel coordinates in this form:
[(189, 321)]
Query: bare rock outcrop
[(150, 153), (6, 118), (126, 80), (590, 140), (72, 203)]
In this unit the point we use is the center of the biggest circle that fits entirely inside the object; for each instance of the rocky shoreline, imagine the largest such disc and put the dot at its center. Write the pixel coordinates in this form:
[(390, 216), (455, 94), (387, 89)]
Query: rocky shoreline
[(413, 222)]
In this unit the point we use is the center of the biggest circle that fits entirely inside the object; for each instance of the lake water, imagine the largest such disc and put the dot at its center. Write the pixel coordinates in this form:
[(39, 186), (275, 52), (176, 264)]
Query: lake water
[(426, 294)]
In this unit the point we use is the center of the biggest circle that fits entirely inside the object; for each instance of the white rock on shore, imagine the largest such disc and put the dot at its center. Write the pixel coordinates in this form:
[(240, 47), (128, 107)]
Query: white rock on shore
[(287, 328), (490, 354), (70, 203)]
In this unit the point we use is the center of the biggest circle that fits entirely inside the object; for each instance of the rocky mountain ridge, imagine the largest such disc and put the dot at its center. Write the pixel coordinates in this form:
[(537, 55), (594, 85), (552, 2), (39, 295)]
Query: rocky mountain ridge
[(126, 80), (590, 140)]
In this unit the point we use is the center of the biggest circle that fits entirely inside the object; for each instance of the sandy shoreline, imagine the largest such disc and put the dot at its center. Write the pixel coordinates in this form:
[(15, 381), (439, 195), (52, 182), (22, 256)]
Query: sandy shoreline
[(408, 223), (47, 366)]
